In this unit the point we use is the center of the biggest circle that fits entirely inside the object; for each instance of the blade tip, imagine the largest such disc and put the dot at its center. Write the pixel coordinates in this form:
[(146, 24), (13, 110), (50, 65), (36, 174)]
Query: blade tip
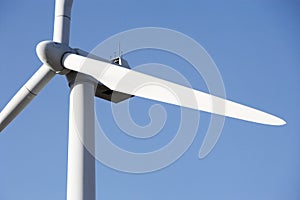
[(282, 122), (278, 122)]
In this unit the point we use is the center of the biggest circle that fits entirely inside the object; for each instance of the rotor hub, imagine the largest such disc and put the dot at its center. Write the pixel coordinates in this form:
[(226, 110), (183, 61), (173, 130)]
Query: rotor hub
[(51, 54)]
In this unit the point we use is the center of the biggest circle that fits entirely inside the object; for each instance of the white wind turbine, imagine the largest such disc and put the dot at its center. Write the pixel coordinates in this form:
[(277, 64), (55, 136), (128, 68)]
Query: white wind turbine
[(99, 77)]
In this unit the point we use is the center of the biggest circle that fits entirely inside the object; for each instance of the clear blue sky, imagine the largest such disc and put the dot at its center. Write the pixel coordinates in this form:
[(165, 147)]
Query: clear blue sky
[(256, 46)]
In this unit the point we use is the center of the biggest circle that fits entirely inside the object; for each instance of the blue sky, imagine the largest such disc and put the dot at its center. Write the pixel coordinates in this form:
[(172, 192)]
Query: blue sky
[(255, 45)]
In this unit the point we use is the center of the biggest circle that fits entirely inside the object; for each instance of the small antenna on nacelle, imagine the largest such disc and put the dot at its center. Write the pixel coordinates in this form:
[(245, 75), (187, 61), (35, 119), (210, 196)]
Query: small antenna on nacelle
[(120, 49)]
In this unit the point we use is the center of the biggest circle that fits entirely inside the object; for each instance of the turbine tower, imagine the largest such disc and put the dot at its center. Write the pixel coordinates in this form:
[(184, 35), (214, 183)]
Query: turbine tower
[(110, 80)]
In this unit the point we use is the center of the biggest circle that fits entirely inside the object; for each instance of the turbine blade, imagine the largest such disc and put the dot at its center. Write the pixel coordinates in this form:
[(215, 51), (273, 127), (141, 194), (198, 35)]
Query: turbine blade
[(24, 96), (135, 83)]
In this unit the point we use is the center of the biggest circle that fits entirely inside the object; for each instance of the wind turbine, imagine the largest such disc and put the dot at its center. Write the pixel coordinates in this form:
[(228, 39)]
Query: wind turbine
[(99, 77)]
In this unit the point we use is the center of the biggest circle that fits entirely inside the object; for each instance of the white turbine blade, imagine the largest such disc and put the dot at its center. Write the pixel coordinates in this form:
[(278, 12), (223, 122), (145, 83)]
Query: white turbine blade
[(24, 96), (135, 83), (61, 29)]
